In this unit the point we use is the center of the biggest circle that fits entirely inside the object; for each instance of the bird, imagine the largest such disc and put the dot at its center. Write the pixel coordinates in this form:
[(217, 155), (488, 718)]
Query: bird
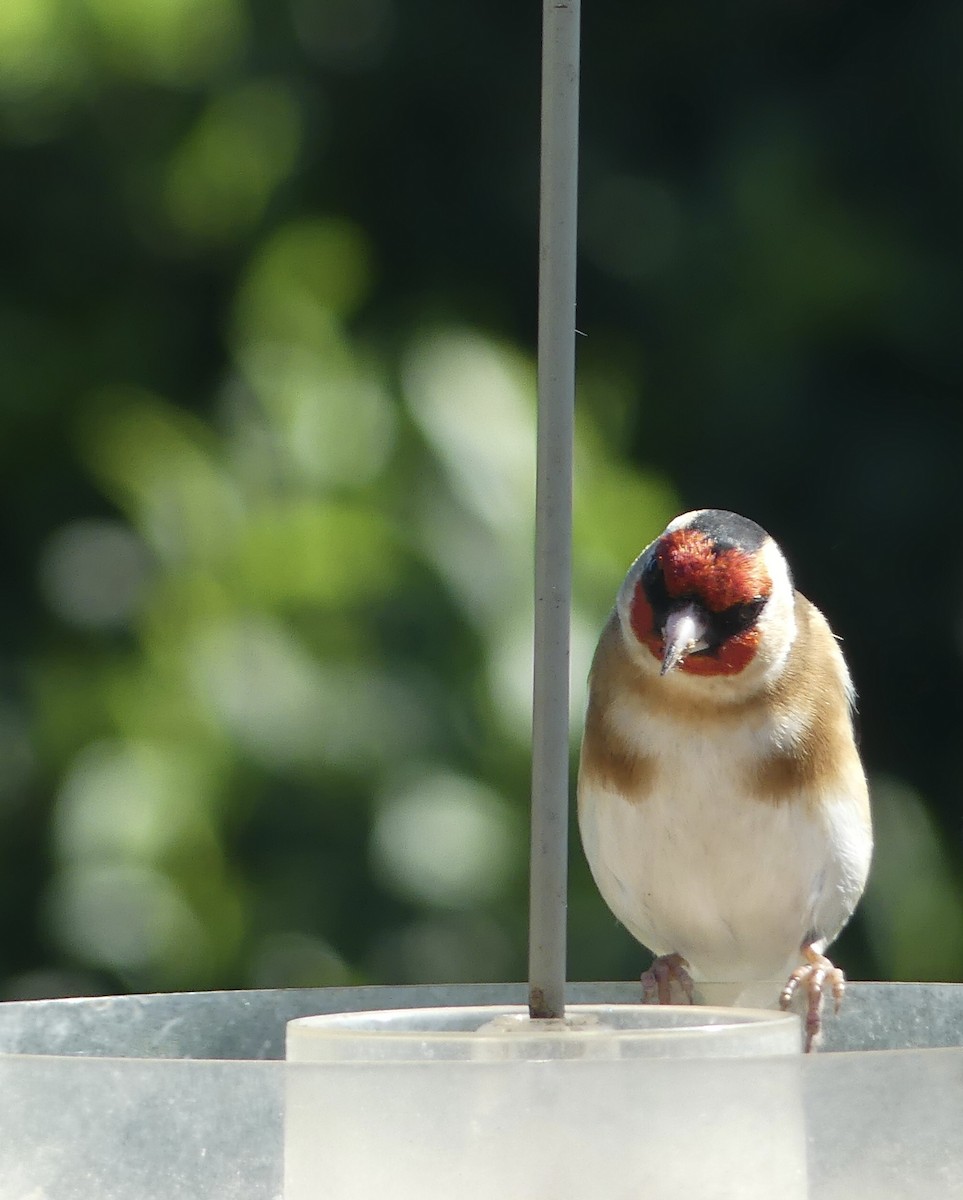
[(722, 803)]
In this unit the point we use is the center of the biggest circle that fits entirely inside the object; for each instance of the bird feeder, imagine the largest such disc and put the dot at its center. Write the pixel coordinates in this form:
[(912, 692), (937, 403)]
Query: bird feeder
[(441, 1091)]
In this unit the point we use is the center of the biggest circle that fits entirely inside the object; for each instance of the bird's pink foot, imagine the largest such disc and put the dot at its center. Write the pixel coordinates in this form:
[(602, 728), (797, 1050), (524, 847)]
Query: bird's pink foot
[(813, 977), (657, 980)]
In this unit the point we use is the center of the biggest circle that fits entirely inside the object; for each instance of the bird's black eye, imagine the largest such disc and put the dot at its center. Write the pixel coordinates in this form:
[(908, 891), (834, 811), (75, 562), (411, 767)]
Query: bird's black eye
[(733, 621), (654, 583), (743, 615)]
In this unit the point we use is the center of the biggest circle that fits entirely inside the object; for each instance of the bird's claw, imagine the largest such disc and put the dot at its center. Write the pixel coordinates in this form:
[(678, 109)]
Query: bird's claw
[(813, 976), (657, 980)]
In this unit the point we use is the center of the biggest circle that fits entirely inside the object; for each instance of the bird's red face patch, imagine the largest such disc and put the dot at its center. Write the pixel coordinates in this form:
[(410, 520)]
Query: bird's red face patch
[(735, 653), (642, 620), (692, 567), (718, 579)]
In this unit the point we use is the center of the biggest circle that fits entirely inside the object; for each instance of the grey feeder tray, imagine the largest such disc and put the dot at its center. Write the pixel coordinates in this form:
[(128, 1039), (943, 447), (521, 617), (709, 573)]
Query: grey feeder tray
[(189, 1096)]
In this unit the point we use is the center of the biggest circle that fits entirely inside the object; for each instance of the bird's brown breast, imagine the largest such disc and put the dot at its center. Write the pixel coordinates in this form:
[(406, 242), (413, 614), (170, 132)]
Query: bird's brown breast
[(810, 695), (610, 761), (808, 698)]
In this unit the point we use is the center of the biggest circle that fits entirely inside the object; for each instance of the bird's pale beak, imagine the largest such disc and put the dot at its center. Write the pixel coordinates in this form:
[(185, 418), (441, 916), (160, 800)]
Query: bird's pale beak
[(685, 632)]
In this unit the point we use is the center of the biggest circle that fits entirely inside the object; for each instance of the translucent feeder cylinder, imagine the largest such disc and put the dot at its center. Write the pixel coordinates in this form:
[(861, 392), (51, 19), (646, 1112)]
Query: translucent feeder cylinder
[(484, 1102)]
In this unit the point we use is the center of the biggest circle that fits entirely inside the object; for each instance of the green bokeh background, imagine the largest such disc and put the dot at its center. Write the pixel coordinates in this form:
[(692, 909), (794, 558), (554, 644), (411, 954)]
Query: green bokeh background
[(267, 298)]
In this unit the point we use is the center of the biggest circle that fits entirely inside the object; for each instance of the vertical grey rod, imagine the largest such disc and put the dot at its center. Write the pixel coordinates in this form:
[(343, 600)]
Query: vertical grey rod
[(553, 506)]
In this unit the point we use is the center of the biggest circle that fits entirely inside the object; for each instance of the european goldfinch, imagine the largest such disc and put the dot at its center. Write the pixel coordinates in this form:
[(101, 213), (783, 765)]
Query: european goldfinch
[(722, 804)]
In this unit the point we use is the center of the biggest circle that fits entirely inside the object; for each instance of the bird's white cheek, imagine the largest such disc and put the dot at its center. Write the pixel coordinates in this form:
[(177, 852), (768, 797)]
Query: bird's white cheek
[(777, 623)]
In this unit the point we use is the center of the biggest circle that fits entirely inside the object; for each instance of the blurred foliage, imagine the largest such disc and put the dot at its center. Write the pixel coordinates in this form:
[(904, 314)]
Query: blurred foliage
[(266, 453)]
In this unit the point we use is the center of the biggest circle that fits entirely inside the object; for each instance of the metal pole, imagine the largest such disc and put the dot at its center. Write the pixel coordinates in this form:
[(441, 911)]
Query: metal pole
[(553, 506)]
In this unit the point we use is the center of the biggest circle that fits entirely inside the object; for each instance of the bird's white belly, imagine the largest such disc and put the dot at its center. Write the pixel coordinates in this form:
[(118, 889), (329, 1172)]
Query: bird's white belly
[(699, 868)]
